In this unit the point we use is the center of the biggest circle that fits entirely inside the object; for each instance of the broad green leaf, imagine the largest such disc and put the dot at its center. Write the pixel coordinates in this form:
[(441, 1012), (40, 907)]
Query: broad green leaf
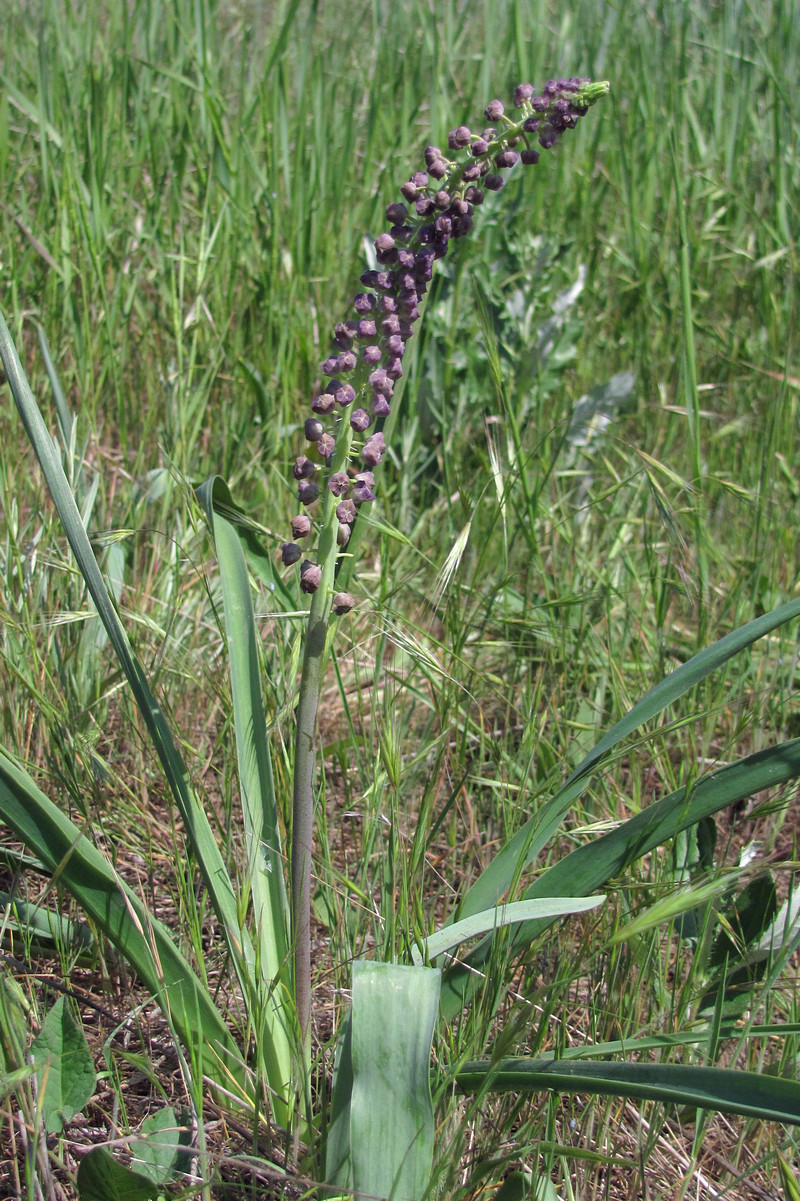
[(161, 1150), (101, 1178), (391, 1132), (137, 936), (64, 1067), (264, 868), (723, 1090), (504, 915), (196, 823), (590, 867)]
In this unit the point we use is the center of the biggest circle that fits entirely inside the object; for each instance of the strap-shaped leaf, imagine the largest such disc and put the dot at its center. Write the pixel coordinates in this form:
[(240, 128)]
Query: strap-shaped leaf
[(752, 1094)]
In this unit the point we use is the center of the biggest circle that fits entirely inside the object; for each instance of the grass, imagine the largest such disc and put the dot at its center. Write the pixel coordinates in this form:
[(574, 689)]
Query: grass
[(184, 194)]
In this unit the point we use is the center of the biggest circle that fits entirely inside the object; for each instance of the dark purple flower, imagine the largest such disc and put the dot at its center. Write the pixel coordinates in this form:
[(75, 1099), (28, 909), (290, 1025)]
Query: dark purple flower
[(506, 158), (303, 468), (364, 484), (367, 327), (493, 182), (385, 249), (314, 429), (380, 406), (360, 420), (346, 512), (322, 404), (396, 213), (301, 526), (373, 450), (343, 535), (307, 492), (310, 576), (371, 355), (290, 553), (494, 110), (364, 302), (326, 446), (480, 146), (344, 395), (458, 138), (343, 602), (529, 157), (339, 482), (522, 93), (438, 170)]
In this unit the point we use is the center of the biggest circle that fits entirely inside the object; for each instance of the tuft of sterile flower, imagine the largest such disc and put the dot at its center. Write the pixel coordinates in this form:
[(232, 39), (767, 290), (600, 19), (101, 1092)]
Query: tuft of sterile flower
[(437, 207)]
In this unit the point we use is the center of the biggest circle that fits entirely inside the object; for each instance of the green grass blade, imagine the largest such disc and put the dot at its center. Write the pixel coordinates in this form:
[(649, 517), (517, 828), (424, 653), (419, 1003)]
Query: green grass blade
[(591, 866), (265, 868), (198, 827), (139, 938), (391, 1115), (752, 1094)]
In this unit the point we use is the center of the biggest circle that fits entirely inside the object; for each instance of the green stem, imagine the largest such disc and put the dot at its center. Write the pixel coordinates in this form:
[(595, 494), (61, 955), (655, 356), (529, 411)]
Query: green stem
[(306, 734)]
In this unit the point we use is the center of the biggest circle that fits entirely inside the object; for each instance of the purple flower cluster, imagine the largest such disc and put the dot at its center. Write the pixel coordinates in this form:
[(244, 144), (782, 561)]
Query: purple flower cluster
[(368, 349)]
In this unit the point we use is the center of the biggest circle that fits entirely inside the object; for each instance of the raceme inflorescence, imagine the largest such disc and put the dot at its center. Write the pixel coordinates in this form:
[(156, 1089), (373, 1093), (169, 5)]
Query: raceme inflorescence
[(344, 430)]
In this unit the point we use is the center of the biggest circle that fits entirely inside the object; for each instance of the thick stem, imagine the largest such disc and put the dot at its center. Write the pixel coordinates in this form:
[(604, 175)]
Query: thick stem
[(305, 743)]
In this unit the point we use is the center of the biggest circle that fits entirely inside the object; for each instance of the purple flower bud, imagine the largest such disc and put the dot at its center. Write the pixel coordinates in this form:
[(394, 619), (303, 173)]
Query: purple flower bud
[(540, 104), (396, 345), (364, 302), (372, 355), (409, 190), (329, 367), (314, 429), (441, 199), (474, 195), (301, 526), (458, 137), (343, 602), (380, 406), (394, 367), (385, 249), (290, 553), (479, 146), (345, 395), (425, 206), (506, 158), (423, 268), (303, 467), (326, 446), (548, 138), (343, 335), (551, 88), (443, 225), (402, 233), (529, 157), (307, 492), (373, 450), (521, 94), (388, 304), (310, 576), (489, 135), (339, 482), (432, 154), (360, 420), (396, 213), (438, 169), (531, 125), (343, 535), (347, 362), (405, 259), (471, 173), (380, 383), (462, 225), (322, 404), (493, 182), (390, 325), (494, 110), (346, 512), (367, 328), (363, 491)]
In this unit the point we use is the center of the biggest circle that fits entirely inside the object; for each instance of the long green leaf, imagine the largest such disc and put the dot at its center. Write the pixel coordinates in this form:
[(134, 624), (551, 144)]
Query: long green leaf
[(751, 1094), (138, 937), (265, 868), (503, 915), (197, 825), (591, 866)]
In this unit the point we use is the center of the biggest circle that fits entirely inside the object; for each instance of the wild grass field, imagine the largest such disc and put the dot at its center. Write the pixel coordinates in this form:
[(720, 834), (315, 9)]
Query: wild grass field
[(592, 477)]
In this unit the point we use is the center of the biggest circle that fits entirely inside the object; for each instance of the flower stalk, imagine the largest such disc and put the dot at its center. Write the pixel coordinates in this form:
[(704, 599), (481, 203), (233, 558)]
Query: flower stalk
[(360, 375)]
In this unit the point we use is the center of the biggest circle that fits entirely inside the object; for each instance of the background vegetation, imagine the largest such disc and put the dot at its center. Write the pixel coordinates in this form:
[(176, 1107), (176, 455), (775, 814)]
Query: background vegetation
[(594, 474)]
